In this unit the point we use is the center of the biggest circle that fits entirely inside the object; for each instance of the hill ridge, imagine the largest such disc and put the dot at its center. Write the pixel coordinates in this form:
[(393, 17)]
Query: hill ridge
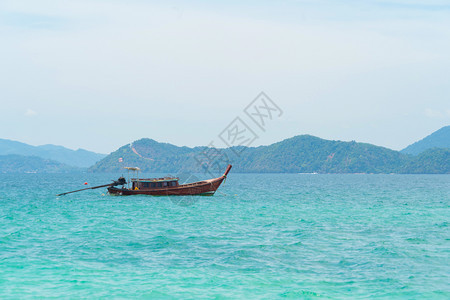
[(299, 154), (14, 163), (77, 158), (438, 139)]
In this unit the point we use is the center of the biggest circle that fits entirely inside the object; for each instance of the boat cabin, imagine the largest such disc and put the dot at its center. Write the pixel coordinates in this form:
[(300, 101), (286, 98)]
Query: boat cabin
[(150, 183), (153, 183)]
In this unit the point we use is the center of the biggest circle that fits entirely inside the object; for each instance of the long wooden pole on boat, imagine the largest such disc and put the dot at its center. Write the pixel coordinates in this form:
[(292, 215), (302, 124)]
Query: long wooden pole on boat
[(120, 181), (90, 188)]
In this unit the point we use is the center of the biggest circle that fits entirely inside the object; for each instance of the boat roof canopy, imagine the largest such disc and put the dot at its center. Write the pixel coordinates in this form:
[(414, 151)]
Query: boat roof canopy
[(132, 168), (155, 179)]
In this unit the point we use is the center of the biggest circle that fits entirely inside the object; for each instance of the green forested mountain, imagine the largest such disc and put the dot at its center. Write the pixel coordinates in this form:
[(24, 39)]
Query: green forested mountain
[(149, 155), (438, 139), (22, 164), (307, 154), (77, 158), (431, 161), (300, 154)]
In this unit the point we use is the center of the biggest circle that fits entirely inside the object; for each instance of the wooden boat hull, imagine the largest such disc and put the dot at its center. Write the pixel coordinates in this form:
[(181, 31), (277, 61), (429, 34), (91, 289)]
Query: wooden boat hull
[(206, 187)]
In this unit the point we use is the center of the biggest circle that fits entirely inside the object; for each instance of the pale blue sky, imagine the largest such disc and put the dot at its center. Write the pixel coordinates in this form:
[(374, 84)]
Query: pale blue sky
[(100, 74)]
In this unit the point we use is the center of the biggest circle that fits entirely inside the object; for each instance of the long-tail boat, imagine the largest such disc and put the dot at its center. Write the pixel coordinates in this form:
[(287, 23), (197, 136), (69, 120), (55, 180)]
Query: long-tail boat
[(167, 186)]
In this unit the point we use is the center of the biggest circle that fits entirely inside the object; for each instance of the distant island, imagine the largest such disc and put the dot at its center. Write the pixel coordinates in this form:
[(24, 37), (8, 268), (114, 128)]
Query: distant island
[(299, 154), (14, 163), (438, 139), (76, 158), (20, 157)]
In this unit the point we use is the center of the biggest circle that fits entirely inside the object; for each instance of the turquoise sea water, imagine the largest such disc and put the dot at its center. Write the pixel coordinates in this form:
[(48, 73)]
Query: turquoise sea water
[(267, 236)]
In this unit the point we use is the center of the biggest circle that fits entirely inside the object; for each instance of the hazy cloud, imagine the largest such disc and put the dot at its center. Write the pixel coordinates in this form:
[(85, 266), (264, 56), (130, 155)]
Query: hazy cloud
[(433, 113), (30, 113)]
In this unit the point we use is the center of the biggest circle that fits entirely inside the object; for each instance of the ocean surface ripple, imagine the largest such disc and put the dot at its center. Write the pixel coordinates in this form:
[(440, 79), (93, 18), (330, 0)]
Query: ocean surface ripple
[(263, 236)]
